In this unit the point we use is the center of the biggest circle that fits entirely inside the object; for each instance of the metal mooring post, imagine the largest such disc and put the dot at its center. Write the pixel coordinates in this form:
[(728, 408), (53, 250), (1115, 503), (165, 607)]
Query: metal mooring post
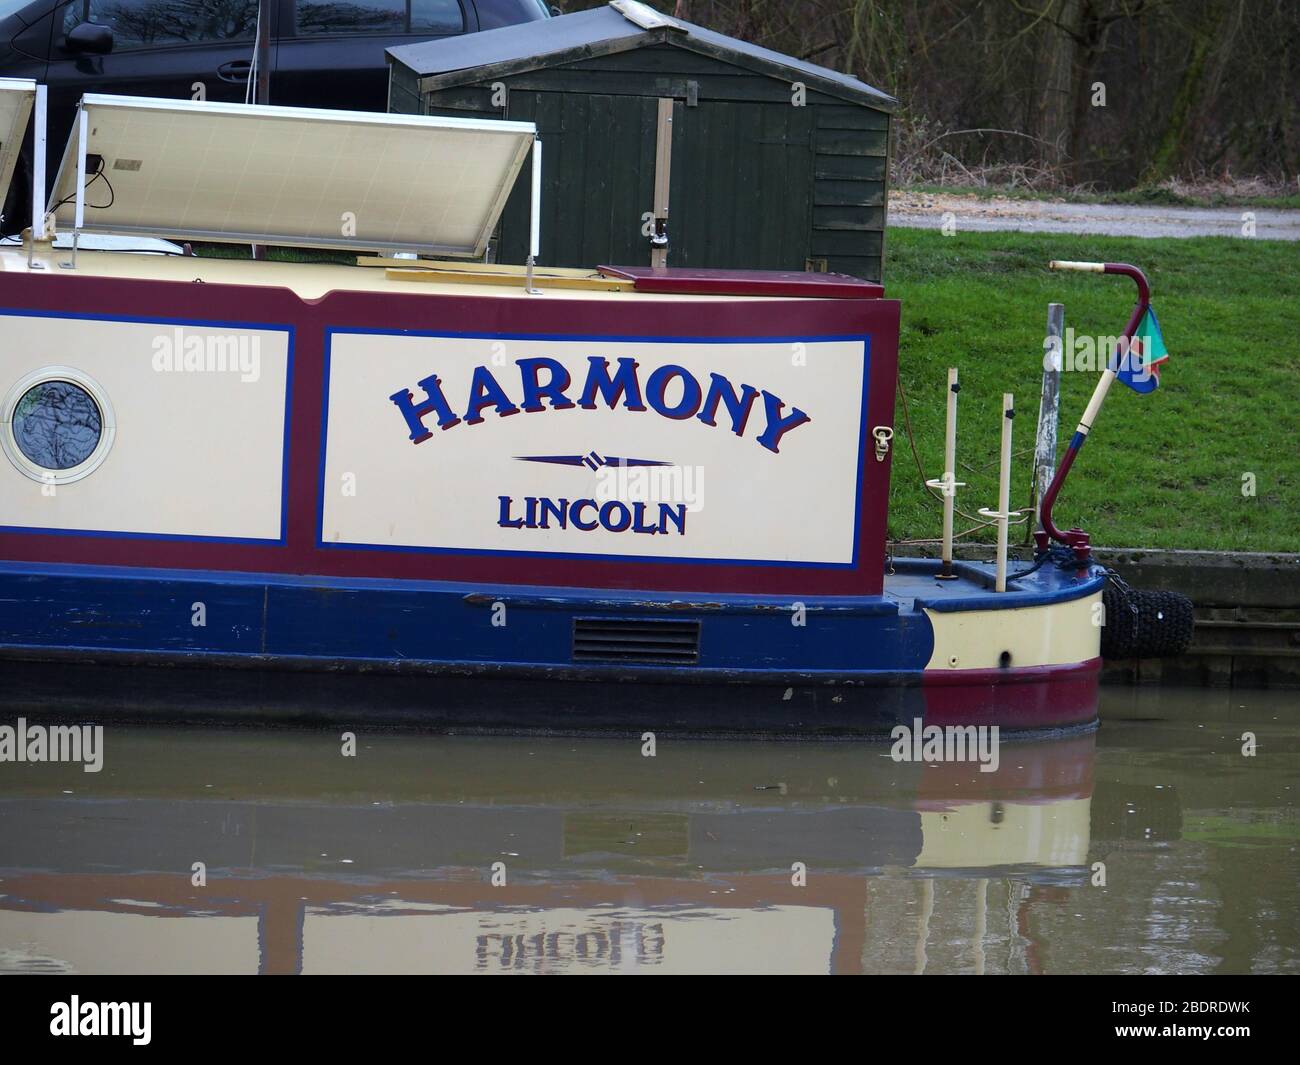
[(1049, 412), (948, 483), (1004, 514)]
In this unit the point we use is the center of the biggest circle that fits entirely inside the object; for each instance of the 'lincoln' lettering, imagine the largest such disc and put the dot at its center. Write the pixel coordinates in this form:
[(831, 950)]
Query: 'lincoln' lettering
[(586, 515)]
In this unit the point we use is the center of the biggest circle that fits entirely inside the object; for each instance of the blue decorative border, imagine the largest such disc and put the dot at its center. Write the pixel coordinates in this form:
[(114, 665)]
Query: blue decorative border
[(865, 340)]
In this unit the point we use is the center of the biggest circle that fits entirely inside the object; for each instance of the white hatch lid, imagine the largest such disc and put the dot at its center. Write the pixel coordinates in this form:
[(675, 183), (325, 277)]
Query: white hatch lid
[(288, 175)]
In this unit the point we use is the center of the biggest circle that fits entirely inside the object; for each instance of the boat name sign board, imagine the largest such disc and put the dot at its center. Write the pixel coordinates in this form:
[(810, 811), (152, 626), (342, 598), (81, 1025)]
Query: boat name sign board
[(709, 450)]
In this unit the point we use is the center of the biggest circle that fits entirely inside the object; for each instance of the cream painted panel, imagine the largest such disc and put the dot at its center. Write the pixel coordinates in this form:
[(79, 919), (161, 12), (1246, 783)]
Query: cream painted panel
[(197, 452), (1056, 634)]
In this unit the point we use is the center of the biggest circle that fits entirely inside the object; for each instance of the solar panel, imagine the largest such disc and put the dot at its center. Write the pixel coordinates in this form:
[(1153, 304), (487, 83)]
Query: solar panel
[(16, 96), (255, 174)]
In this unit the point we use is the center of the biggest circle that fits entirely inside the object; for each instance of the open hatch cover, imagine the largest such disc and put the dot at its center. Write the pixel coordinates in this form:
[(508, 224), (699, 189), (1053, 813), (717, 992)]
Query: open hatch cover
[(254, 174)]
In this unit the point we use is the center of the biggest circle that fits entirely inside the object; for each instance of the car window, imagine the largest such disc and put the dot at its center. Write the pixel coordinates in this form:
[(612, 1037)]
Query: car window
[(379, 16), (510, 12), (151, 23), (436, 16)]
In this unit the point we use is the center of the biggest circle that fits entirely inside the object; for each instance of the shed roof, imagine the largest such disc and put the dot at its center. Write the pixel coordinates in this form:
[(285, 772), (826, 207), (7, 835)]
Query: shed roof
[(602, 31)]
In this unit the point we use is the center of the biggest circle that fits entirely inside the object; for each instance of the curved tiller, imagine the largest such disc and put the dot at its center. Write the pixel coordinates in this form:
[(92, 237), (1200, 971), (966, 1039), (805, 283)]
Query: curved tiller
[(1135, 361)]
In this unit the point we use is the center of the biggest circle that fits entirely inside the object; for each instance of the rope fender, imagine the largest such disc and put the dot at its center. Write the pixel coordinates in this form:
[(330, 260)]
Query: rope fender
[(1144, 624)]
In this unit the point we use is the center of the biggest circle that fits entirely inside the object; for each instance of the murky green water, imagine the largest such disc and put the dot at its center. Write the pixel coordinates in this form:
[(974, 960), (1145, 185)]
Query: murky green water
[(458, 854)]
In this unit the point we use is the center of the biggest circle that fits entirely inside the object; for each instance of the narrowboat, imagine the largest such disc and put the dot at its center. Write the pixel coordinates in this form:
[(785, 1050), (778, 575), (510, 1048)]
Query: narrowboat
[(393, 482)]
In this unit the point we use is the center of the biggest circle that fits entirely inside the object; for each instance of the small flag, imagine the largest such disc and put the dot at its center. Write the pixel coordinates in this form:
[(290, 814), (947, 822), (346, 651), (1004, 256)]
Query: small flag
[(1139, 367)]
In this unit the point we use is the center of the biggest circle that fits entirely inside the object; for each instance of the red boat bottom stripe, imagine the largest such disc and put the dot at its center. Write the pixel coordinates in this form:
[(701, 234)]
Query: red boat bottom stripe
[(1055, 696)]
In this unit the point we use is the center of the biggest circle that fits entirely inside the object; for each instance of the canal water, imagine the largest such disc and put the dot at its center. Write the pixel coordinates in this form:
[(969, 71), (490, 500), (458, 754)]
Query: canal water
[(1155, 845)]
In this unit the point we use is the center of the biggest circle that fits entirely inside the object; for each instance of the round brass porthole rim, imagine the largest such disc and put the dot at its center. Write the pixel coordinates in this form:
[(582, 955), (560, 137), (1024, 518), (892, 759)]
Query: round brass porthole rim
[(107, 425)]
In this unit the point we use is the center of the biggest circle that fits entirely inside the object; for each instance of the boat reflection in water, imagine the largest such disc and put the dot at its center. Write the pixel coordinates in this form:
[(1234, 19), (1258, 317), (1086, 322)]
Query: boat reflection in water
[(686, 861)]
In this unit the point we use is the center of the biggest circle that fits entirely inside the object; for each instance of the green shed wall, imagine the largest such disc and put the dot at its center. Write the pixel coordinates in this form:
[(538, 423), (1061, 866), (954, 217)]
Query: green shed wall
[(757, 182)]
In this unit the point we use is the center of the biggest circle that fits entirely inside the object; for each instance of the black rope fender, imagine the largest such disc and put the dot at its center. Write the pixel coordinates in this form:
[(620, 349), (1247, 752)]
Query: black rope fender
[(1143, 624)]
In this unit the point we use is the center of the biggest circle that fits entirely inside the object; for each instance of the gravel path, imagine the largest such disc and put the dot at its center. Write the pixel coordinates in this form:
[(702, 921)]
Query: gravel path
[(924, 211)]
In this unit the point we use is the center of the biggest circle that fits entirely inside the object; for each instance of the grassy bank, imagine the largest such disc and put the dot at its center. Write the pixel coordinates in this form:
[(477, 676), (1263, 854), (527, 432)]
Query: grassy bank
[(1164, 470)]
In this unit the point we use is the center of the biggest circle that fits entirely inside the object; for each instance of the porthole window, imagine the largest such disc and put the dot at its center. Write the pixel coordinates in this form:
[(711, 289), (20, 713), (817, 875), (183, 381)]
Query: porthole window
[(58, 425)]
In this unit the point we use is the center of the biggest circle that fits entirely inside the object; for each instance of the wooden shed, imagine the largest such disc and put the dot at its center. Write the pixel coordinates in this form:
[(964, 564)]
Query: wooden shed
[(667, 143)]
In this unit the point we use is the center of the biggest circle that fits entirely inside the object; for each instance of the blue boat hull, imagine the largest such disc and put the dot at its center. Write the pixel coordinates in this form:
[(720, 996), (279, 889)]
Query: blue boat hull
[(189, 646)]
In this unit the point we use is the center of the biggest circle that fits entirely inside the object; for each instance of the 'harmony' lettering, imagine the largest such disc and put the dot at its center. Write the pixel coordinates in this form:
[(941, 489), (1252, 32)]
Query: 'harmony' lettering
[(545, 383)]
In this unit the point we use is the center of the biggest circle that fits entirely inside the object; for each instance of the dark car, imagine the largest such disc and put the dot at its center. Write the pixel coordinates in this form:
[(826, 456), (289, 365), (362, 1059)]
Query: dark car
[(324, 53)]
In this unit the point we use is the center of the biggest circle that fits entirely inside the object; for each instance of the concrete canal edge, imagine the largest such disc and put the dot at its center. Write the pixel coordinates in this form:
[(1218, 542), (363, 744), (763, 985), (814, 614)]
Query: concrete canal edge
[(1247, 616), (1247, 607)]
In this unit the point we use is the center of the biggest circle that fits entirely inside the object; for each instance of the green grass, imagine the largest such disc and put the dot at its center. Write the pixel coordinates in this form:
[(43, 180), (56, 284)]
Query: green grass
[(1163, 470), (1240, 833), (1145, 195), (1163, 196)]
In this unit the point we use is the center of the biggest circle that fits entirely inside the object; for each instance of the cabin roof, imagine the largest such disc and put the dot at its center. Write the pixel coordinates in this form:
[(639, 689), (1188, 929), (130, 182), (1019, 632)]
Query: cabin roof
[(473, 57), (314, 280)]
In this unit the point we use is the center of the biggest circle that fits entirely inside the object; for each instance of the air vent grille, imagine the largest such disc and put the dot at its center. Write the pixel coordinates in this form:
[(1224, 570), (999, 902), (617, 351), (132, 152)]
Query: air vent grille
[(648, 641)]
